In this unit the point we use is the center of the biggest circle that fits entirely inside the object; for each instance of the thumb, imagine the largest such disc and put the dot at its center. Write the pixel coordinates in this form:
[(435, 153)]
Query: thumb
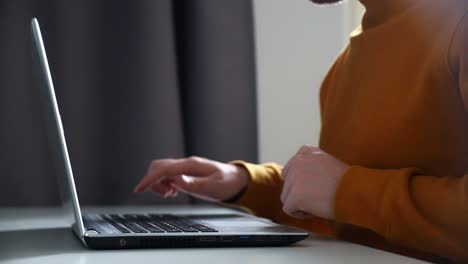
[(193, 186), (301, 214)]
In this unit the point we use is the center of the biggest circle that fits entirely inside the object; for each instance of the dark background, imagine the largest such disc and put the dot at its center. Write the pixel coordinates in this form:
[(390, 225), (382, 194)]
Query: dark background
[(135, 80)]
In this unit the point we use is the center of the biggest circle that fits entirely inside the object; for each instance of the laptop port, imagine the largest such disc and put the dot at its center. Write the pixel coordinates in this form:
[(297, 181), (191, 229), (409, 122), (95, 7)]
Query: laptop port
[(207, 239), (244, 237), (227, 238)]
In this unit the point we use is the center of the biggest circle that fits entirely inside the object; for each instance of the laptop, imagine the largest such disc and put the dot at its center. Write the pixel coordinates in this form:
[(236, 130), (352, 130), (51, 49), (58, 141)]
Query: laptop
[(124, 230)]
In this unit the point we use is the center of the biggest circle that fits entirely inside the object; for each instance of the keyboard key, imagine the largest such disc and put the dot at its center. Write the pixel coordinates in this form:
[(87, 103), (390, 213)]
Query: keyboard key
[(130, 225), (155, 223), (136, 217), (116, 225), (207, 230), (134, 227), (189, 230), (150, 227), (166, 227)]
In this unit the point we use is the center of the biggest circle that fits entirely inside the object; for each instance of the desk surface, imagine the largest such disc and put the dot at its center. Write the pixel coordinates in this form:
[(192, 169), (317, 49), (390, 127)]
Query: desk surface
[(40, 235)]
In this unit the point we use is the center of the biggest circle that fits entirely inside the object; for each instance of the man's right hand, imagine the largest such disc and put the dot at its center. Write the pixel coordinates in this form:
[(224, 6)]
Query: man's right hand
[(202, 178)]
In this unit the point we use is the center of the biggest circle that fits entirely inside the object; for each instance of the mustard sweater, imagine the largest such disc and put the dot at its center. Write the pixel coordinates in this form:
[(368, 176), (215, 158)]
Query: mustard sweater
[(395, 107)]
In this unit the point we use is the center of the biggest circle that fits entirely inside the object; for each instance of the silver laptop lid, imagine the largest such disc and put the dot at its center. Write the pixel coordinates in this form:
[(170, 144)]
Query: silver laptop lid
[(55, 133)]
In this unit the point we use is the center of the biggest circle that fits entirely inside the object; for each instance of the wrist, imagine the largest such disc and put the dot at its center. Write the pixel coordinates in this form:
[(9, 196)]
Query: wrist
[(243, 176)]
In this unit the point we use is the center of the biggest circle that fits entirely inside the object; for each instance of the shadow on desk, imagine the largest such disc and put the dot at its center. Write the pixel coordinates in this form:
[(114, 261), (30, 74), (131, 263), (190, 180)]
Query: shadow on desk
[(37, 243)]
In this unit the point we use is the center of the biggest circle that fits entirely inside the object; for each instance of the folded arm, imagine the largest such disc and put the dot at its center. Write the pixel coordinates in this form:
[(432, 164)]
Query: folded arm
[(418, 211)]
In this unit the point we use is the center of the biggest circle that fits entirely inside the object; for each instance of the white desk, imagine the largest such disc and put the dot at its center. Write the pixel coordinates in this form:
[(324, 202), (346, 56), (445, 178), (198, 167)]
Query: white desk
[(39, 235)]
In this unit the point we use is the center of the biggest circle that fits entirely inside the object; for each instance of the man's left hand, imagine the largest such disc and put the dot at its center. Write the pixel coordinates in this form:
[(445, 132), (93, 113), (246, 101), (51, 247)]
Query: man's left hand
[(311, 178)]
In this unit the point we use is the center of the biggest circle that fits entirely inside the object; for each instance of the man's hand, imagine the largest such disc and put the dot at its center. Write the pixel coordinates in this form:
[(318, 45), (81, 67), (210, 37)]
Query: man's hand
[(202, 178), (310, 181)]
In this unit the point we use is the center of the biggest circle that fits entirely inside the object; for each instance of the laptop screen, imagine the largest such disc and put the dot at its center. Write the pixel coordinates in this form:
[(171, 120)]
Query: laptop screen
[(55, 132)]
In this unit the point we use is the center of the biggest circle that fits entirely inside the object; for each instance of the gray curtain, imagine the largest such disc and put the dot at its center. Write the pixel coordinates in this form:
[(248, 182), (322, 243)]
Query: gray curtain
[(136, 80)]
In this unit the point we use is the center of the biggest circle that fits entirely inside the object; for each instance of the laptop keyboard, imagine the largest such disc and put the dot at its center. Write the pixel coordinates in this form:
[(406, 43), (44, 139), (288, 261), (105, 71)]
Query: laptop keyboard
[(152, 223)]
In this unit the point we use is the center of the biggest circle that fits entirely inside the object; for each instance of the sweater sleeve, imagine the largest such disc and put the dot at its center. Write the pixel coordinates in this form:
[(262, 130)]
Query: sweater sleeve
[(262, 197), (422, 212), (262, 194), (405, 206)]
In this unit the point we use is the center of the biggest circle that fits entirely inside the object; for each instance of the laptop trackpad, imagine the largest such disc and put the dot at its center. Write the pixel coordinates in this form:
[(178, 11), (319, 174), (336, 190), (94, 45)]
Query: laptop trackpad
[(235, 223), (239, 222)]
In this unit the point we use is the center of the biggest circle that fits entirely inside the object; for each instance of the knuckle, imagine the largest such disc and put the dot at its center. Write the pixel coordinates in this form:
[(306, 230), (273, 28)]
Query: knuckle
[(159, 162), (157, 167), (194, 159), (305, 148), (154, 163)]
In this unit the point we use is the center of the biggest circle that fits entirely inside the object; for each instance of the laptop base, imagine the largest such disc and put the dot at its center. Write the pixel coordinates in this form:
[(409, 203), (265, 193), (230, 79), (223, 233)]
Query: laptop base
[(127, 242)]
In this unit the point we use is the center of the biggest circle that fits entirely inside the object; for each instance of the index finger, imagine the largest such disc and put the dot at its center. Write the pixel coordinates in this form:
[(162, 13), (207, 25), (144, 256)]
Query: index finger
[(189, 166)]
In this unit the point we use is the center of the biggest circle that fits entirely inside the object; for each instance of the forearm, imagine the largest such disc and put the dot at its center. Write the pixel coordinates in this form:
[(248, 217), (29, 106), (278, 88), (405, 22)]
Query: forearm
[(417, 211)]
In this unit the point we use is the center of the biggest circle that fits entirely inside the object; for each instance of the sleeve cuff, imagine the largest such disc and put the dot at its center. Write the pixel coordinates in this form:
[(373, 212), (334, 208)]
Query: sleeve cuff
[(264, 186)]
